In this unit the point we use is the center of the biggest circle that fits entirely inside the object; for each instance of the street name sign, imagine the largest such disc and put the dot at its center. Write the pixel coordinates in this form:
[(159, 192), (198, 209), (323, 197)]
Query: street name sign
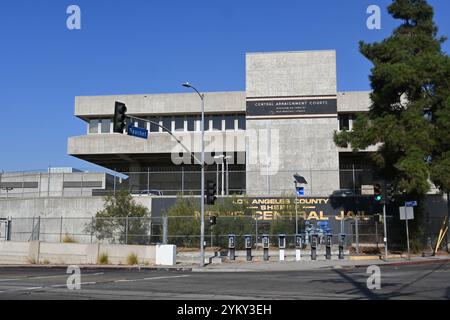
[(411, 204), (138, 132)]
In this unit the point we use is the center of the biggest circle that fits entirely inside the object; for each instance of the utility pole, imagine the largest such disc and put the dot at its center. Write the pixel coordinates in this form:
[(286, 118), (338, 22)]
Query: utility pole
[(385, 233), (448, 219)]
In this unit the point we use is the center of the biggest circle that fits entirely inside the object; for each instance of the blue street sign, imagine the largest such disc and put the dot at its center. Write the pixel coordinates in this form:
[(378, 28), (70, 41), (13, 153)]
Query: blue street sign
[(137, 132), (411, 204), (301, 191)]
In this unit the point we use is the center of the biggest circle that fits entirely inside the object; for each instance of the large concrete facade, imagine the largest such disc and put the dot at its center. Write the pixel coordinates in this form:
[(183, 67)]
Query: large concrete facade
[(290, 111), (298, 142)]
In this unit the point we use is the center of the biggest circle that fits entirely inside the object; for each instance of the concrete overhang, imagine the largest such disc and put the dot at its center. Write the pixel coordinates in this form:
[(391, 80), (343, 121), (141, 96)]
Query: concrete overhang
[(161, 104), (124, 148)]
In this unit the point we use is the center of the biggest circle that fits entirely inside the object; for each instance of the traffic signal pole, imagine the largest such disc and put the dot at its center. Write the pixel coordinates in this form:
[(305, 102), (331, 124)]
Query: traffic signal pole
[(202, 201), (119, 117), (385, 233)]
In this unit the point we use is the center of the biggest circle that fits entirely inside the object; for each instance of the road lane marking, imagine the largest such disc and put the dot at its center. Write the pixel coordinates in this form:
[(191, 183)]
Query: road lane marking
[(48, 277), (34, 288), (146, 279), (93, 283), (172, 277)]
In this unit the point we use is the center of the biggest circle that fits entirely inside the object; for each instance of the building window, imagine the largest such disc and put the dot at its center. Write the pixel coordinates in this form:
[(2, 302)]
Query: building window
[(241, 122), (106, 126), (93, 126), (191, 121), (179, 123), (217, 122), (153, 126), (140, 124), (167, 122), (229, 122), (344, 122), (207, 123)]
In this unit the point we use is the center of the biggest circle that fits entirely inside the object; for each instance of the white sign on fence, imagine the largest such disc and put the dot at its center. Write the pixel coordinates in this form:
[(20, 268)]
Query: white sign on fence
[(406, 213)]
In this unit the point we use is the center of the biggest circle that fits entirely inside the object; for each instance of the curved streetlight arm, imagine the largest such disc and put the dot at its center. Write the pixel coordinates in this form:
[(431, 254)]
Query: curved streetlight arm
[(187, 85)]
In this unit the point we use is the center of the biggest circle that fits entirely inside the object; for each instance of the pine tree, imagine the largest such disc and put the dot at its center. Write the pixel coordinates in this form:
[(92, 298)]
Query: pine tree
[(410, 113)]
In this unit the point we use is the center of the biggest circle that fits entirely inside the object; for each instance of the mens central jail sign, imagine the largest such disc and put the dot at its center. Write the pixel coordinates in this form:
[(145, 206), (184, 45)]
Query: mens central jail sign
[(319, 209), (308, 208)]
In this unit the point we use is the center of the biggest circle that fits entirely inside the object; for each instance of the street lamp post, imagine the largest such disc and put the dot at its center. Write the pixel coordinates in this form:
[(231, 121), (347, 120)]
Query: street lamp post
[(227, 176), (298, 180), (202, 200)]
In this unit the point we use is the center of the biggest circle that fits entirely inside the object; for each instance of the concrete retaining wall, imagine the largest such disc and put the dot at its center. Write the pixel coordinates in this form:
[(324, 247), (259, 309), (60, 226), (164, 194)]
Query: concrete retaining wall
[(63, 216), (36, 252)]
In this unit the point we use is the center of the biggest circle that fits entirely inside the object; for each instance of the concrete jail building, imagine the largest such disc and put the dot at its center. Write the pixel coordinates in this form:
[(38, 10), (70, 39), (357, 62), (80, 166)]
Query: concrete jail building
[(281, 125), (256, 140)]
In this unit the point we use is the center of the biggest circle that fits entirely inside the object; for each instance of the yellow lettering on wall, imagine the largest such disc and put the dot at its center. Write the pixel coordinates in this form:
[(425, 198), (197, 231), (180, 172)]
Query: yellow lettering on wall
[(322, 217), (313, 215)]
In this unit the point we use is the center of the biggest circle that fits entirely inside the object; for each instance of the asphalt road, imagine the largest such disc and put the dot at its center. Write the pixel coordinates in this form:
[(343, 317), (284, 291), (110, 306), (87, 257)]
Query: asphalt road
[(404, 282)]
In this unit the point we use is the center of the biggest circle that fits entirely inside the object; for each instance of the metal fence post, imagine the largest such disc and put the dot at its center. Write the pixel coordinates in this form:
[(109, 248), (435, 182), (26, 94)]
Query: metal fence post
[(165, 227), (81, 190), (126, 230), (148, 180), (60, 229), (150, 230), (9, 232), (92, 229), (182, 181), (357, 233), (39, 229), (256, 229)]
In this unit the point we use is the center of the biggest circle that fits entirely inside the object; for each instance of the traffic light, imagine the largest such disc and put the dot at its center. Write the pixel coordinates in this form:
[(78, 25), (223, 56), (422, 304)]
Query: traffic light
[(211, 192), (378, 192), (213, 220), (120, 116), (390, 192)]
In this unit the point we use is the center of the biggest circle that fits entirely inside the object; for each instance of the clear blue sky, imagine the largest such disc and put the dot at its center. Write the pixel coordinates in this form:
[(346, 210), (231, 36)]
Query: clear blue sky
[(141, 46)]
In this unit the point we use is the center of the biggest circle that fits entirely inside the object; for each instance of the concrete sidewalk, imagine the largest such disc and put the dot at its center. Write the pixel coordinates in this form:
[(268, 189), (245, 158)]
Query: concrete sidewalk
[(315, 265)]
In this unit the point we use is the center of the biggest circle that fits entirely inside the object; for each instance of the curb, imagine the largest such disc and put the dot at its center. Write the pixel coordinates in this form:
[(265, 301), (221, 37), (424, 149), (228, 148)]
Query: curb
[(380, 263), (412, 263), (98, 267)]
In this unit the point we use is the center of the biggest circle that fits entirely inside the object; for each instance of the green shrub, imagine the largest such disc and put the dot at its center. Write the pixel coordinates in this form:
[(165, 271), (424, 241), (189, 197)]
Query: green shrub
[(132, 259), (68, 239), (103, 258)]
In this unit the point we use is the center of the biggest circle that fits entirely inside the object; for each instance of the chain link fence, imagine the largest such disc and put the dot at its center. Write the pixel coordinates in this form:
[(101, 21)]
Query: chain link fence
[(184, 231), (146, 182)]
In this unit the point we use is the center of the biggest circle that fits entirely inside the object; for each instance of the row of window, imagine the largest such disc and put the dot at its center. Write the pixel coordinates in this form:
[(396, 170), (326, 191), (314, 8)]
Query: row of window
[(232, 122), (192, 123)]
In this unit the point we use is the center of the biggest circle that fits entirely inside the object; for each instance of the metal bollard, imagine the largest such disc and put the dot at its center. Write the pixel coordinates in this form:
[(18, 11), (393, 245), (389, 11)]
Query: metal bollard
[(328, 246), (341, 246), (248, 246), (298, 247), (282, 245), (266, 245), (314, 239), (232, 246)]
